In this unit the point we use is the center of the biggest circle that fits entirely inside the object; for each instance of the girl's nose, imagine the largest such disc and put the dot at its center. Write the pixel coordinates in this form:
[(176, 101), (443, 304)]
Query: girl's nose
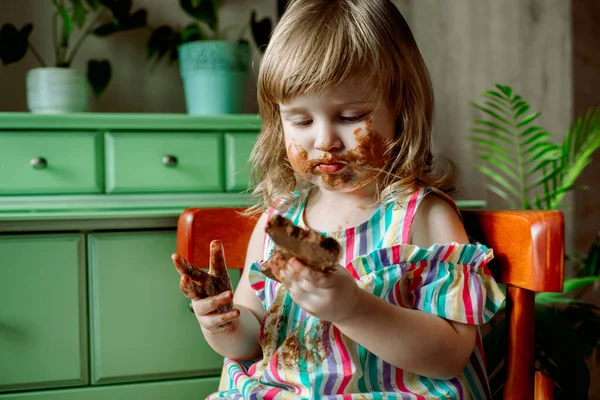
[(328, 139)]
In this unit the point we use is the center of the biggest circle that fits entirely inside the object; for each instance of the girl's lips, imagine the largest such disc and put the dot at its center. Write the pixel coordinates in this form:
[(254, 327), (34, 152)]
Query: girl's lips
[(331, 168)]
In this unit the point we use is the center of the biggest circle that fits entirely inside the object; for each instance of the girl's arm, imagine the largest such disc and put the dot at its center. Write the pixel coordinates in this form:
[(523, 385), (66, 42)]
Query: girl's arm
[(414, 340), (239, 339)]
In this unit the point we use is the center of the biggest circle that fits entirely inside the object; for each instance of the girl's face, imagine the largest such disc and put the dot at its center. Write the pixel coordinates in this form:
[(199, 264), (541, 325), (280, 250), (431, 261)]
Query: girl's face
[(337, 139)]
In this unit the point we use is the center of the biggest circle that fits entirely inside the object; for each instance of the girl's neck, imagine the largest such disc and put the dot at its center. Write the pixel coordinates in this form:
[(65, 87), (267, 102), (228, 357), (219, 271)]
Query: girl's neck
[(329, 211)]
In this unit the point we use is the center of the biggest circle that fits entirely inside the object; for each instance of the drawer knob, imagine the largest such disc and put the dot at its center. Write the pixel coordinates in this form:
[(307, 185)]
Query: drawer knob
[(169, 161), (38, 163)]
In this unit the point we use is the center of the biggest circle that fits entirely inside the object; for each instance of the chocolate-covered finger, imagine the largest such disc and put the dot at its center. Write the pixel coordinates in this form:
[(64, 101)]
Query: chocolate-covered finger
[(185, 268), (218, 267), (180, 264), (188, 288)]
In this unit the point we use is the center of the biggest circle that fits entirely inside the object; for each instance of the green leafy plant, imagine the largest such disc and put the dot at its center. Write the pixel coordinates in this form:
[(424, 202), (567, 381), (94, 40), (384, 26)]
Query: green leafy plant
[(529, 170), (92, 17), (164, 40)]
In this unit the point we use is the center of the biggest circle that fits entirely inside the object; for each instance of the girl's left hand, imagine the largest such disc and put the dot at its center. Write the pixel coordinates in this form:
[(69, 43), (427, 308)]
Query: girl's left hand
[(329, 296)]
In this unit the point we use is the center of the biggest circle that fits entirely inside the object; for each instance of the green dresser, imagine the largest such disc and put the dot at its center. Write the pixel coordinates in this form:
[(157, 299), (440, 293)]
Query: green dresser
[(91, 307)]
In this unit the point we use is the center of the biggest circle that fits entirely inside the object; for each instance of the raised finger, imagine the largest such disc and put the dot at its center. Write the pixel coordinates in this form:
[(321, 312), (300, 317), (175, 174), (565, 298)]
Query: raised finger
[(180, 263), (185, 268), (218, 266)]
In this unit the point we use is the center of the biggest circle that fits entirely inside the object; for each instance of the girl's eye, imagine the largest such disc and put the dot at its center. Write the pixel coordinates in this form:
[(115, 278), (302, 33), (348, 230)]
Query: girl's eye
[(354, 118), (305, 122)]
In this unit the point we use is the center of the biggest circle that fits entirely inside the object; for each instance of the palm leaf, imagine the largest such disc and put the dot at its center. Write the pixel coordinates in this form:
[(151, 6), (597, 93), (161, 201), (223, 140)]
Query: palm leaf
[(490, 143), (548, 158), (505, 89), (497, 153), (578, 164), (493, 134), (493, 125), (582, 139), (491, 113), (499, 101), (545, 177), (497, 95), (504, 167), (495, 189), (530, 130), (497, 178), (540, 147), (528, 119), (522, 109), (493, 104), (536, 138)]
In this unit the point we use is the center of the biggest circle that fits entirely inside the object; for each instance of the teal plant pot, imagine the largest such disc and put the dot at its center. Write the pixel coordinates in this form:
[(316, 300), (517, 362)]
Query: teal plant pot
[(214, 75), (57, 90)]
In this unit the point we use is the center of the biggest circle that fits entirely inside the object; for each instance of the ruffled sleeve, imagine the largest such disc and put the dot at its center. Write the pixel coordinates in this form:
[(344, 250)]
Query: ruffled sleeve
[(450, 280)]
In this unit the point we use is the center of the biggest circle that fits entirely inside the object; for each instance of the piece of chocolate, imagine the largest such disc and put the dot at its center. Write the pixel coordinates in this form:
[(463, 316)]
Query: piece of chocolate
[(318, 252)]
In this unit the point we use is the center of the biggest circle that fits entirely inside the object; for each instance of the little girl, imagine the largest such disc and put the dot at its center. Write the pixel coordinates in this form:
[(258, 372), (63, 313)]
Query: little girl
[(345, 149)]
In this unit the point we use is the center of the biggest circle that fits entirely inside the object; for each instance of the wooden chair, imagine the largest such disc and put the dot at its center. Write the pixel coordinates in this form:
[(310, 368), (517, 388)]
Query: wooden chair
[(528, 257)]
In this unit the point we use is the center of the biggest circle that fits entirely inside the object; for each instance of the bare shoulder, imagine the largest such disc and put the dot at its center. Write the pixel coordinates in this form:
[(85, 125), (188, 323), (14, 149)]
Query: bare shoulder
[(436, 221), (256, 242)]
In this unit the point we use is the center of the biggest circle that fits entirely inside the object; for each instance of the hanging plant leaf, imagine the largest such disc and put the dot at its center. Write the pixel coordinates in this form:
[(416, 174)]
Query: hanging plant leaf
[(118, 8), (67, 27), (191, 33), (79, 13), (14, 43), (261, 31), (163, 40), (129, 22), (202, 10), (98, 74)]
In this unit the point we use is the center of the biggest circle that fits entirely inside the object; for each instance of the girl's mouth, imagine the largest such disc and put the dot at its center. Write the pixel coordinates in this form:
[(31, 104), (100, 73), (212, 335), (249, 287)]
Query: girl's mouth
[(331, 168)]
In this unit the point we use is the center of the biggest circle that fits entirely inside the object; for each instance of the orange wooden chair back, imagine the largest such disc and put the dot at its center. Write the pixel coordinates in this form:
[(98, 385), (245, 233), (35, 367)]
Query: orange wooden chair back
[(528, 257)]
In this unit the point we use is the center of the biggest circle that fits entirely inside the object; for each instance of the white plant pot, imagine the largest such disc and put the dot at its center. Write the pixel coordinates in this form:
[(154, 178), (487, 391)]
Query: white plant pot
[(57, 91)]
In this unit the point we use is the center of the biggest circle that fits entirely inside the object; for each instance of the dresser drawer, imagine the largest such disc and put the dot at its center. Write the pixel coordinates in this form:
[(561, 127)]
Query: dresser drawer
[(163, 162), (51, 163)]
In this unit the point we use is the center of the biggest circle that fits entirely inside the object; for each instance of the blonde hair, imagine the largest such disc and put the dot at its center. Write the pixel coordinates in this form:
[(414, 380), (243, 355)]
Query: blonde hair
[(319, 44)]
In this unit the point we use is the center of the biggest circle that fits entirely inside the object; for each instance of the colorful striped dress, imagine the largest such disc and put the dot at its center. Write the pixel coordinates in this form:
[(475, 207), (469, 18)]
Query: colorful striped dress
[(306, 358)]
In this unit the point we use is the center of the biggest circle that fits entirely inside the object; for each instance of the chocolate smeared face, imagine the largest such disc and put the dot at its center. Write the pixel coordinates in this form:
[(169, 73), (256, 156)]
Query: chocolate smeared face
[(337, 140)]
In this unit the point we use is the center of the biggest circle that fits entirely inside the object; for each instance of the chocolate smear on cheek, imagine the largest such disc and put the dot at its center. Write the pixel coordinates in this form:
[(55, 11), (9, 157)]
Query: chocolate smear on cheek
[(371, 147), (299, 160)]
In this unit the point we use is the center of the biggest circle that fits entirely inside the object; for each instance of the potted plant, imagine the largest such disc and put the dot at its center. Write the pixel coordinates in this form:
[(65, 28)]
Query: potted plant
[(57, 87), (213, 68), (529, 170)]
